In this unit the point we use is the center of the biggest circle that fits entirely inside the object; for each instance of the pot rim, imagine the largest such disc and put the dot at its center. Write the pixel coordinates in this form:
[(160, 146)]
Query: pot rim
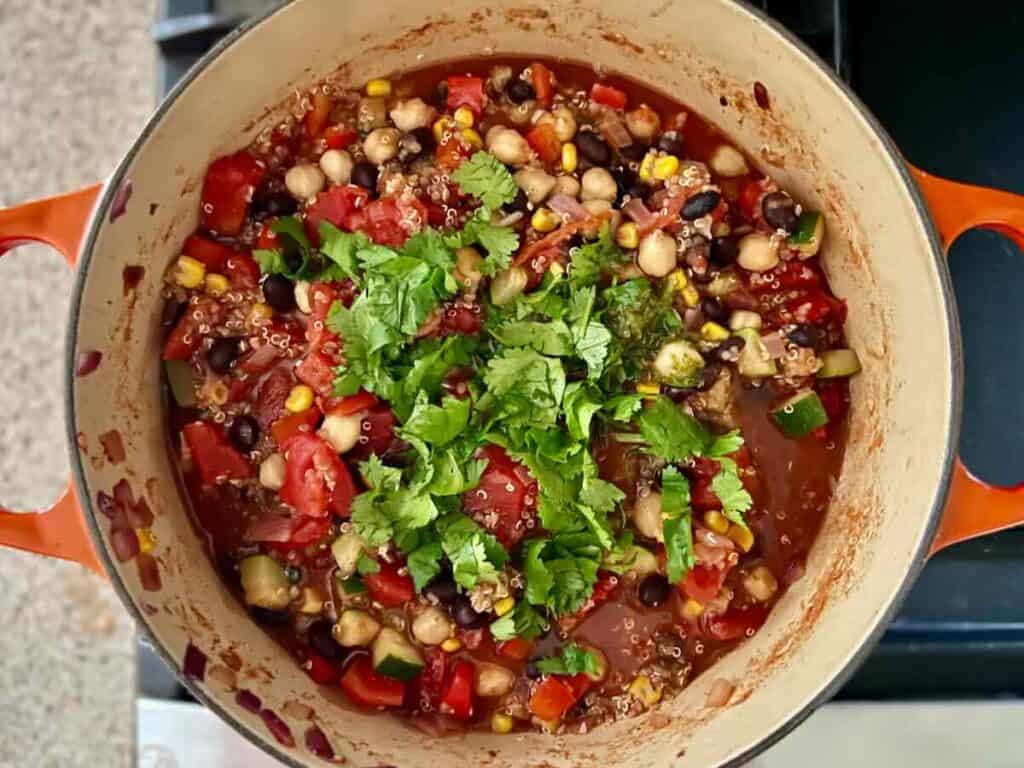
[(828, 687)]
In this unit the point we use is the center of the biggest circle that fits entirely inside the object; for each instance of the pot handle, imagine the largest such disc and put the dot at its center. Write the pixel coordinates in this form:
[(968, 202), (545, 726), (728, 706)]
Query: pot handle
[(59, 531), (973, 507)]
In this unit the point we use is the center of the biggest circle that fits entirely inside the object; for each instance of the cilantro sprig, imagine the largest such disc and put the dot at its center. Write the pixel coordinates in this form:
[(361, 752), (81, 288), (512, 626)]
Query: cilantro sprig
[(573, 660)]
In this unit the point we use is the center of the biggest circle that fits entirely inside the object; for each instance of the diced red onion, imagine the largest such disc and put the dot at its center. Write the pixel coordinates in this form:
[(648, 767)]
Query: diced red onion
[(567, 206), (194, 665), (87, 361), (278, 727), (720, 693), (149, 573), (637, 211), (774, 344), (260, 359), (106, 504), (317, 743), (614, 130), (248, 700), (711, 539), (125, 544), (123, 494), (272, 527)]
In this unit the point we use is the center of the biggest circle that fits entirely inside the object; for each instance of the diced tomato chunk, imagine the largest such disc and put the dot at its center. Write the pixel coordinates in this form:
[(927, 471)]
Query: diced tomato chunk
[(465, 91), (552, 698), (317, 371), (339, 205), (242, 271), (835, 398), (543, 83), (361, 401), (227, 190), (214, 457), (293, 424), (271, 396), (389, 587), (702, 498), (517, 648), (213, 254), (544, 141), (379, 430), (735, 623), (750, 199), (450, 154), (366, 687), (608, 95), (816, 308), (703, 583), (321, 670), (789, 275), (340, 137), (183, 340), (460, 319), (308, 530), (457, 699), (429, 686), (505, 500), (267, 239), (316, 480)]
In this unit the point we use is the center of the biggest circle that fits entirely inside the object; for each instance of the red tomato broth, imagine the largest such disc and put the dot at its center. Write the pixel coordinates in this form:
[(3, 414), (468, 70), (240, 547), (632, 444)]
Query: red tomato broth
[(791, 488)]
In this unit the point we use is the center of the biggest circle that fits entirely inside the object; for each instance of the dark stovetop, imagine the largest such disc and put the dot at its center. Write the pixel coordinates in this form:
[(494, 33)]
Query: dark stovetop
[(939, 80)]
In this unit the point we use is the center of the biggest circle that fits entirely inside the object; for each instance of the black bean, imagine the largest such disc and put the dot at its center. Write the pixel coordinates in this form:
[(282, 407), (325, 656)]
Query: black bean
[(173, 310), (709, 375), (628, 185), (244, 432), (416, 143), (532, 670), (519, 91), (593, 148), (222, 354), (654, 590), (672, 143), (279, 292), (780, 211), (521, 203), (724, 250), (269, 202), (633, 152), (269, 617), (804, 336), (728, 350), (465, 615), (443, 590), (713, 310), (701, 204), (321, 640), (365, 175)]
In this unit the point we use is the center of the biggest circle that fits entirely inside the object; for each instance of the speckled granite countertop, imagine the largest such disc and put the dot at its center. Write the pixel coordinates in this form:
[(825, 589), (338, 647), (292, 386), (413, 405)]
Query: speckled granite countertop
[(78, 82)]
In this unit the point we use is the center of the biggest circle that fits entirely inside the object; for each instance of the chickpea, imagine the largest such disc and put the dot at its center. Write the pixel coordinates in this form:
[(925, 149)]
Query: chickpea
[(493, 681), (598, 184), (337, 165), (535, 183), (757, 253), (272, 472), (727, 161), (509, 146), (567, 185), (657, 254), (381, 145), (761, 584), (643, 122), (342, 432), (304, 181), (564, 123), (411, 114), (647, 516), (432, 627)]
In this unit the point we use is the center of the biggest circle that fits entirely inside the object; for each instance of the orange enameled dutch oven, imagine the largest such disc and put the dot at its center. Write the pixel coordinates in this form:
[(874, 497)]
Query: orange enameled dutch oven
[(902, 495)]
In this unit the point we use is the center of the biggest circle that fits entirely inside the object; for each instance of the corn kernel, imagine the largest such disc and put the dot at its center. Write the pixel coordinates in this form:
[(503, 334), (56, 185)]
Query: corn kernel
[(692, 609), (260, 313), (716, 521), (501, 723), (677, 280), (713, 332), (441, 125), (646, 172), (545, 220), (464, 117), (665, 167), (648, 388), (378, 87), (216, 285), (504, 605), (627, 236), (451, 645), (146, 540), (472, 137), (644, 691), (570, 158), (189, 272), (299, 399), (743, 537), (690, 296)]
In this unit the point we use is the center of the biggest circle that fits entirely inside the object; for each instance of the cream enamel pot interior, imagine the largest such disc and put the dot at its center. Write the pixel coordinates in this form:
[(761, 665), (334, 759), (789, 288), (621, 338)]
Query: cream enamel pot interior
[(902, 493)]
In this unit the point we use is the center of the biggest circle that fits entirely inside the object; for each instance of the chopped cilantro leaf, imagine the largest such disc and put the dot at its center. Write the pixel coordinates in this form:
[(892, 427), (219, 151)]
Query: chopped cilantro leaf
[(437, 424), (523, 621), (485, 177), (671, 433), (499, 242), (728, 487), (723, 445), (366, 565), (591, 261), (675, 505), (475, 555), (424, 563), (573, 660), (525, 386), (548, 338)]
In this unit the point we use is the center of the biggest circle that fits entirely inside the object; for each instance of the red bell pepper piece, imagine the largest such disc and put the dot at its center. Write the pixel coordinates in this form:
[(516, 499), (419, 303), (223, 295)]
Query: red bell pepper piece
[(735, 623), (321, 670), (213, 455), (466, 91), (388, 587), (517, 648), (340, 137), (608, 95), (316, 480), (552, 698), (294, 424), (544, 141), (457, 699), (227, 190), (213, 254), (317, 371), (360, 401), (366, 687), (543, 83)]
